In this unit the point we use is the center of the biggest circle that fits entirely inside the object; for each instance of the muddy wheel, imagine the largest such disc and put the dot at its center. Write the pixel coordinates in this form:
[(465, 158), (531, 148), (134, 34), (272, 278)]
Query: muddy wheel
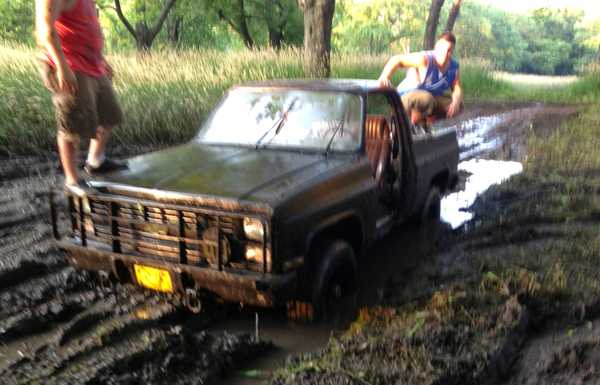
[(334, 279), (432, 207)]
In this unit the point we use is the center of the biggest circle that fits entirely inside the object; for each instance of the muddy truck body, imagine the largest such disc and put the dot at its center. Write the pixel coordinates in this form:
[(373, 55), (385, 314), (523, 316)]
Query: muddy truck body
[(285, 186)]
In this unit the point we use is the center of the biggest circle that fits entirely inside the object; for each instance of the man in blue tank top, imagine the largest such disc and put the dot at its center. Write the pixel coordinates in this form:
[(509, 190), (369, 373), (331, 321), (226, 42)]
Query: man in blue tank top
[(431, 89)]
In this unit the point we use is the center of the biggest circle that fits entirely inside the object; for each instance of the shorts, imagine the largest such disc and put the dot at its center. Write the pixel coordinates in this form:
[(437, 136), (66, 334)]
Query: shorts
[(93, 104), (426, 103)]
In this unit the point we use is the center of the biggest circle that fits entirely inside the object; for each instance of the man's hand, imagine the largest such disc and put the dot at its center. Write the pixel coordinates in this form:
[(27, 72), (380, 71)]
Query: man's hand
[(67, 81), (385, 82), (453, 109)]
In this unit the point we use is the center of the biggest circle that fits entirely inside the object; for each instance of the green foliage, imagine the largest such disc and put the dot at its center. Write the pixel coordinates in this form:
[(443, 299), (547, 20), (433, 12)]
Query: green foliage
[(16, 21), (379, 25), (547, 41)]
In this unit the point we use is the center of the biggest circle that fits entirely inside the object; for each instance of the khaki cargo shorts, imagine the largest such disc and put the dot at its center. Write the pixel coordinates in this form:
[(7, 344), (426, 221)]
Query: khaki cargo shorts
[(426, 103), (94, 104)]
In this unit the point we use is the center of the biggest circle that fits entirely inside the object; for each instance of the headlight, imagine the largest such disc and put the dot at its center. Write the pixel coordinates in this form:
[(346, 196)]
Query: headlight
[(254, 229), (256, 255)]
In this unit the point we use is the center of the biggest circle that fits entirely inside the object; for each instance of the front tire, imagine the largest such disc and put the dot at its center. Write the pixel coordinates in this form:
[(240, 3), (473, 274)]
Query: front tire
[(334, 278)]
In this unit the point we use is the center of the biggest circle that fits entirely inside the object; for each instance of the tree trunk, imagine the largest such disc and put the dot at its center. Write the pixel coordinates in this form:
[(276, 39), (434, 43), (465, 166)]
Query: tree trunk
[(432, 23), (243, 23), (275, 38), (238, 22), (598, 55), (174, 28), (318, 16), (275, 15), (143, 35), (453, 15)]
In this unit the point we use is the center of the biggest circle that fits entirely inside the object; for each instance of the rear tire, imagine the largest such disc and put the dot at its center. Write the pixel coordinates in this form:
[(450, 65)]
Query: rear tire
[(432, 207), (334, 279)]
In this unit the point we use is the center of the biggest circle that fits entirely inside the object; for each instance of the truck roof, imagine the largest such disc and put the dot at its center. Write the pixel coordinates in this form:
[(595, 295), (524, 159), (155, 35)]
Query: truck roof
[(335, 85)]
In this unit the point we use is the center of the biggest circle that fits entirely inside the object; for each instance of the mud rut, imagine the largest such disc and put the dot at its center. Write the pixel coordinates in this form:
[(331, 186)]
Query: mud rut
[(57, 326)]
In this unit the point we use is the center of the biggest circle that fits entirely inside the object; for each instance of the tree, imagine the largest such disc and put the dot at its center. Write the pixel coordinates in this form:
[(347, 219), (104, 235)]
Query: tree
[(144, 36), (318, 17), (378, 25), (235, 14), (276, 15), (432, 23), (453, 15)]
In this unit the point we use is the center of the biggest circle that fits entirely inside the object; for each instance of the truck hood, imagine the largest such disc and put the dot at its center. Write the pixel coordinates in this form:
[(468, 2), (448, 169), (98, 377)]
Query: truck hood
[(247, 174)]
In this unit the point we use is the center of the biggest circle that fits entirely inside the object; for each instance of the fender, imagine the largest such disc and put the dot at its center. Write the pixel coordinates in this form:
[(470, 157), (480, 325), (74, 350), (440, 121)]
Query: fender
[(331, 222)]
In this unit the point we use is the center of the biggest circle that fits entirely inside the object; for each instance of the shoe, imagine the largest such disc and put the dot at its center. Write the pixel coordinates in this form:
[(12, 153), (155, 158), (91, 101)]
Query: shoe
[(78, 188), (421, 129), (107, 165), (426, 128)]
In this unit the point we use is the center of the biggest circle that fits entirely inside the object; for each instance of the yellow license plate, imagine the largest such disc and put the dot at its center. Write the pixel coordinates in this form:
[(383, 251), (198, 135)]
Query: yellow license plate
[(153, 278)]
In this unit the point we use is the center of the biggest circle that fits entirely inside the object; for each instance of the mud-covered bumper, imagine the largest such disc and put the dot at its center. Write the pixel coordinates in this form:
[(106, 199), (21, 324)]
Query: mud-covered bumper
[(250, 288)]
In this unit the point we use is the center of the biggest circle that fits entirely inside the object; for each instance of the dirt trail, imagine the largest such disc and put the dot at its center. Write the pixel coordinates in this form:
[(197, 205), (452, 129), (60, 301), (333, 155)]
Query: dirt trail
[(58, 326)]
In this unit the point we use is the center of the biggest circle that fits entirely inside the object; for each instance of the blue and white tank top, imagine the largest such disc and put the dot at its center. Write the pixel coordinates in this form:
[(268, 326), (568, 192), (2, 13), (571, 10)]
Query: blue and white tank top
[(435, 81)]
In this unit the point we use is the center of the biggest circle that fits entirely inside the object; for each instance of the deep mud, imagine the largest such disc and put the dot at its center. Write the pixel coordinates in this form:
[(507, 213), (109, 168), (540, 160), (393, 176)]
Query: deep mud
[(58, 326)]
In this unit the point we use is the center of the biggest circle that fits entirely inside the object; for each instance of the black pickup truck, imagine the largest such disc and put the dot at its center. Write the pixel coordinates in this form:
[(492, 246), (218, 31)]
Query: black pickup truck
[(286, 184)]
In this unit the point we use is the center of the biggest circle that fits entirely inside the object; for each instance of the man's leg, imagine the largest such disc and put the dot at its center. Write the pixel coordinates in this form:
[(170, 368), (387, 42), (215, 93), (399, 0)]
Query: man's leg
[(98, 146), (419, 104), (67, 150), (416, 117)]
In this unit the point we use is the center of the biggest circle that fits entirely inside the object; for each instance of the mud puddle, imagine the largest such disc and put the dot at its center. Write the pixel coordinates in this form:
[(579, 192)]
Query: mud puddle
[(482, 174), (492, 148), (289, 338)]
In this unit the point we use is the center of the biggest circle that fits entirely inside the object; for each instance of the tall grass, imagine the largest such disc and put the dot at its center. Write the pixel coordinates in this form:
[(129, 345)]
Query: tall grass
[(165, 95)]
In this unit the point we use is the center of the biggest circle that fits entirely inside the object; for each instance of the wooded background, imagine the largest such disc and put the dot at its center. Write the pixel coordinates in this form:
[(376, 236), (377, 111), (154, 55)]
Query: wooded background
[(546, 41)]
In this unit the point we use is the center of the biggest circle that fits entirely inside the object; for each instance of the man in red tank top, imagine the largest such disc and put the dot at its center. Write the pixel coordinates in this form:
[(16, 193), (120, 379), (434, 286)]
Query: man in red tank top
[(76, 73)]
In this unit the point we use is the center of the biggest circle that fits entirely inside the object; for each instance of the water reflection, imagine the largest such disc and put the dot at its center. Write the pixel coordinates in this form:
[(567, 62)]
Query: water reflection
[(483, 174)]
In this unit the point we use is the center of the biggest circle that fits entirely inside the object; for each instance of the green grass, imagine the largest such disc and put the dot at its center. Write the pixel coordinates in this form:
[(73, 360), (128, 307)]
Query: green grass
[(166, 95)]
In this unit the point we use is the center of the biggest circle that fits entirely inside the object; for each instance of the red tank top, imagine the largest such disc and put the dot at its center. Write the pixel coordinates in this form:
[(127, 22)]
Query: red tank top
[(81, 38)]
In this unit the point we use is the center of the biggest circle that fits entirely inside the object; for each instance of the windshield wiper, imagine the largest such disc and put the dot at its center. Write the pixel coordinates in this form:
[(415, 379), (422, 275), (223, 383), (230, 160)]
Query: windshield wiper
[(278, 125), (338, 127)]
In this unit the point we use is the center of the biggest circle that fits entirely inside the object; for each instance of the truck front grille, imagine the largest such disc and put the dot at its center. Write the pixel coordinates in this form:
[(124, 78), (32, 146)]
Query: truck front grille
[(178, 233)]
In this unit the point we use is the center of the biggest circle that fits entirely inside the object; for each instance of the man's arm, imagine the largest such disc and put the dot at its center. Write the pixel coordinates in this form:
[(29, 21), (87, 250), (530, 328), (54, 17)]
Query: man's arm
[(414, 60), (457, 97), (46, 13)]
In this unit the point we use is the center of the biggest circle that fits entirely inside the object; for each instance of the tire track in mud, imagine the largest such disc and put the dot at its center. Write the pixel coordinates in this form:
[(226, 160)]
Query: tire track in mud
[(58, 326)]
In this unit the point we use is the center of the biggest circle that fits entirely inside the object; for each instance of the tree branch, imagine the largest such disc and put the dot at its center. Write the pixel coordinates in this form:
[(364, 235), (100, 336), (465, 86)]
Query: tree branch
[(227, 20), (161, 19), (453, 15), (123, 19)]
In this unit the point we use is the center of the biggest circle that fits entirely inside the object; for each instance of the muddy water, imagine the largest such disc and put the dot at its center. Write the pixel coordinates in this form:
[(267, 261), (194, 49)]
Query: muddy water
[(492, 148), (482, 174)]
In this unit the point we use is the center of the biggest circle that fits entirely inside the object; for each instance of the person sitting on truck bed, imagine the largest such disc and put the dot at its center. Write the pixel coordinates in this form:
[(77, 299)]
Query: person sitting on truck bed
[(431, 75)]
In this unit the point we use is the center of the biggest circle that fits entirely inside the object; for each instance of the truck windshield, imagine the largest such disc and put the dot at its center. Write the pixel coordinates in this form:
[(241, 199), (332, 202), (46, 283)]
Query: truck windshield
[(286, 118)]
